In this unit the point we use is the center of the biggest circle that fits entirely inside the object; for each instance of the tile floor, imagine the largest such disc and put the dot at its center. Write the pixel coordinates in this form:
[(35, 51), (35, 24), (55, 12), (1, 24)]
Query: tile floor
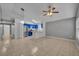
[(46, 46)]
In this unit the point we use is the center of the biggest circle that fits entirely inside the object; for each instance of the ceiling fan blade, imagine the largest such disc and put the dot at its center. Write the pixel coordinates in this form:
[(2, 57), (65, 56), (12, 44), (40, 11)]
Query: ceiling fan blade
[(49, 6), (44, 14), (45, 11), (53, 8), (55, 12)]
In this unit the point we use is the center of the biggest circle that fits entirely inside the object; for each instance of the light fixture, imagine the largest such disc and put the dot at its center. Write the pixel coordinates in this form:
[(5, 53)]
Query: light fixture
[(29, 22), (33, 20), (50, 11), (49, 14), (22, 9), (22, 22)]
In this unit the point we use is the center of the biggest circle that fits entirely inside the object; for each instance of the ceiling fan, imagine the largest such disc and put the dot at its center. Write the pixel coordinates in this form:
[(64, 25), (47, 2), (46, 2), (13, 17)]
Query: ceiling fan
[(50, 11)]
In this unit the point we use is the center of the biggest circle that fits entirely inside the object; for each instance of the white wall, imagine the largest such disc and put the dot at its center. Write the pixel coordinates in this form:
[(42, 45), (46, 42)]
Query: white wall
[(64, 28), (17, 29), (77, 27), (0, 22)]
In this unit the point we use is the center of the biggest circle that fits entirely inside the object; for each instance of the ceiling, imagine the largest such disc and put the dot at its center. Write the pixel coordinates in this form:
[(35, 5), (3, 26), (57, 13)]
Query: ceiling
[(34, 11)]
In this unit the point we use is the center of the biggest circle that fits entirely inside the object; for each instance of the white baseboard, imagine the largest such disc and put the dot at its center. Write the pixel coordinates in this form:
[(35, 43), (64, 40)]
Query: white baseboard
[(50, 37)]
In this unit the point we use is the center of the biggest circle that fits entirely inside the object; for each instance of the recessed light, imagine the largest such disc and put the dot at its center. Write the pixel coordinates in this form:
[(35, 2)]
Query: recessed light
[(22, 22), (34, 21)]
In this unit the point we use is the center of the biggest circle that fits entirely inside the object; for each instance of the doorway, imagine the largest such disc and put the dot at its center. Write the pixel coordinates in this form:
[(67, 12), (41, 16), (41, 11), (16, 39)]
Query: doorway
[(6, 30)]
